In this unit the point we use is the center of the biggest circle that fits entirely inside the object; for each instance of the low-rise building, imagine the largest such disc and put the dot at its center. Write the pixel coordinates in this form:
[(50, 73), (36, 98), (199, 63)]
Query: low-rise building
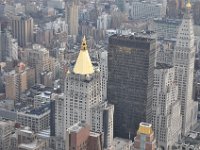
[(145, 138), (25, 139), (6, 129), (42, 99), (37, 119), (80, 138), (189, 142)]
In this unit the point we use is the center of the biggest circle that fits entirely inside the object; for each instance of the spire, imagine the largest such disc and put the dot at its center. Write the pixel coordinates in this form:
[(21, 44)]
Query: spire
[(188, 10), (188, 5), (83, 64)]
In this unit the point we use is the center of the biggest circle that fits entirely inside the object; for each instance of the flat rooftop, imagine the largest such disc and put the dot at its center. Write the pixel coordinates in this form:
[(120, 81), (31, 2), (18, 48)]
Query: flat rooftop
[(32, 145), (40, 110), (94, 134), (77, 127), (5, 123), (26, 131), (120, 143), (35, 111), (132, 37), (135, 41), (44, 134), (44, 95)]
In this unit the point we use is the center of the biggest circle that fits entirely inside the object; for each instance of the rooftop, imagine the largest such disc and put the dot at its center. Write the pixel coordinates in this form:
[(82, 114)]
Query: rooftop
[(120, 143), (94, 134), (77, 127), (192, 140), (29, 145), (131, 38), (23, 16), (44, 134), (46, 94), (40, 110), (36, 111)]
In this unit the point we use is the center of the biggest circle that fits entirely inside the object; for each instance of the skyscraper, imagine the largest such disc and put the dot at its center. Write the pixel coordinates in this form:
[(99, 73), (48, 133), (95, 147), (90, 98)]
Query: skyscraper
[(131, 62), (22, 29), (16, 82), (38, 58), (184, 57), (72, 18), (83, 97), (166, 107), (9, 46), (103, 63)]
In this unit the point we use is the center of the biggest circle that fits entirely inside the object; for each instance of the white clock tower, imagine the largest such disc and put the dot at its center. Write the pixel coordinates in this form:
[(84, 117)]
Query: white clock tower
[(184, 57)]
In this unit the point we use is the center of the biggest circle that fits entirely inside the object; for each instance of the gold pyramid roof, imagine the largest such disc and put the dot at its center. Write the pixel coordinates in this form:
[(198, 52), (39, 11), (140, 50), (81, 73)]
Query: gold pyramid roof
[(83, 64)]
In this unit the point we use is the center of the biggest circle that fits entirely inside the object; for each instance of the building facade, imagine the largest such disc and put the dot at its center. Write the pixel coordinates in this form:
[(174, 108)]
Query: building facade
[(83, 100), (103, 66), (173, 9), (16, 82), (131, 63), (152, 10), (184, 56), (80, 138), (6, 129), (38, 57), (78, 135), (25, 139), (166, 107), (165, 28), (37, 119), (72, 18), (59, 113), (165, 51), (9, 46)]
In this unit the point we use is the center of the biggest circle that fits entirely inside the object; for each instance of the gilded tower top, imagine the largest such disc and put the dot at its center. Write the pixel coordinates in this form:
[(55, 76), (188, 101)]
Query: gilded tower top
[(188, 5), (83, 64)]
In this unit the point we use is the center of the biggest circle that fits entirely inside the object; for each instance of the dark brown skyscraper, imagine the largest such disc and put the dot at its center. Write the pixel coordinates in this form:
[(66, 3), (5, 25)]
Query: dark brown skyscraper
[(22, 29), (130, 81)]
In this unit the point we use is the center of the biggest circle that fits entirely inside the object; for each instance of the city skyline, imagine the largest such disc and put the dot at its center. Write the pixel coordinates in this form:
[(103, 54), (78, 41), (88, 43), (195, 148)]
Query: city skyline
[(99, 75)]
